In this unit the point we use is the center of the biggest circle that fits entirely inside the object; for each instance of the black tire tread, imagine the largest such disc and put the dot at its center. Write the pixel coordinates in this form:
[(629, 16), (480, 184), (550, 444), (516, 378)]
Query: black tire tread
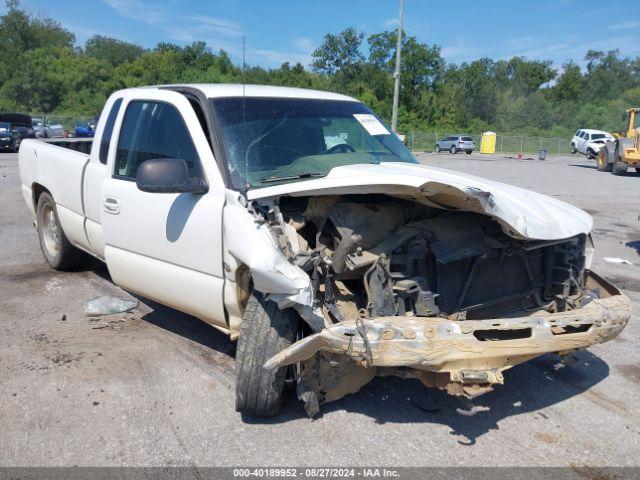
[(265, 331), (619, 168)]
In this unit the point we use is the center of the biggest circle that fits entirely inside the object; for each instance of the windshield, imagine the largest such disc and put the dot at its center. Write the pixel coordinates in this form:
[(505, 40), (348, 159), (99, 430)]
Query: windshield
[(596, 136), (268, 141)]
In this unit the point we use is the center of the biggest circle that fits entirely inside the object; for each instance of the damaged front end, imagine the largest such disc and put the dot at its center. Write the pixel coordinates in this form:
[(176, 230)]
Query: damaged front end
[(392, 285)]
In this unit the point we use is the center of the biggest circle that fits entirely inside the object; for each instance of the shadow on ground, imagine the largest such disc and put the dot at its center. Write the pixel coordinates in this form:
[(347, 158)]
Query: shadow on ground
[(180, 323), (529, 387)]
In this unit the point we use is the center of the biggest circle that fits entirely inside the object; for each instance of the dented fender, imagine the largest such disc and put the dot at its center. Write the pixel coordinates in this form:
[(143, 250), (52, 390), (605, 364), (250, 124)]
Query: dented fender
[(249, 241)]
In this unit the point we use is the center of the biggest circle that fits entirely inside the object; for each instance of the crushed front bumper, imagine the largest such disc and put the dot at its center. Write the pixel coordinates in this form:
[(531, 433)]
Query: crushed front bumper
[(470, 351)]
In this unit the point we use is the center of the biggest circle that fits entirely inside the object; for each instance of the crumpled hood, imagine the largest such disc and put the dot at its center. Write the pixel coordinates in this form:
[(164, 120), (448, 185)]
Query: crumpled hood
[(522, 213)]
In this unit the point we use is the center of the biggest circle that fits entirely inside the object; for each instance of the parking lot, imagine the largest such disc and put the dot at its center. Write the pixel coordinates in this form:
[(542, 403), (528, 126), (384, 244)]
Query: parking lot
[(155, 387)]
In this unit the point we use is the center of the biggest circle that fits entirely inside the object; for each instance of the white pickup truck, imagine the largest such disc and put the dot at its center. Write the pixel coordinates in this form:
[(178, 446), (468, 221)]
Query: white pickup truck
[(332, 262)]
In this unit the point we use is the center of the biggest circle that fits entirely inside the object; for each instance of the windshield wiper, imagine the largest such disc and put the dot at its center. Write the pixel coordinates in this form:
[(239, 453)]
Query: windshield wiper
[(293, 177)]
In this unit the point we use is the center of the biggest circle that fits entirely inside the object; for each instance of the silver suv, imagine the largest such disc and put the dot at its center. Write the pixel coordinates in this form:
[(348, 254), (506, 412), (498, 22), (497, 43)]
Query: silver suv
[(456, 143)]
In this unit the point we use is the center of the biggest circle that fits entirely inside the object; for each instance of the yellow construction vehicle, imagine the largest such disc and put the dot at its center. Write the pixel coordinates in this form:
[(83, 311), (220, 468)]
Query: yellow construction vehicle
[(618, 155)]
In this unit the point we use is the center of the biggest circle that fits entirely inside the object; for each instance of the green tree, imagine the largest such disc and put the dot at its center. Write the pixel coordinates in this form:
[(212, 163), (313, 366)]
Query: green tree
[(340, 55), (111, 50)]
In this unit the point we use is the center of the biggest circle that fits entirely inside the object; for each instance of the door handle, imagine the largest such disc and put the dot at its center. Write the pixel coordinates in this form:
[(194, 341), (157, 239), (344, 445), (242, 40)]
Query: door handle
[(111, 205)]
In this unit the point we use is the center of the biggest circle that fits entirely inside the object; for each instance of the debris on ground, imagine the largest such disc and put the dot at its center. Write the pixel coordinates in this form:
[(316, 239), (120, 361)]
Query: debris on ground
[(108, 305), (617, 260)]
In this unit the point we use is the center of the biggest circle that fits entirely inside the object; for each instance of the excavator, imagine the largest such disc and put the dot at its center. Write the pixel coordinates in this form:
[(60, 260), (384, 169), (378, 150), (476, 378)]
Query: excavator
[(618, 155)]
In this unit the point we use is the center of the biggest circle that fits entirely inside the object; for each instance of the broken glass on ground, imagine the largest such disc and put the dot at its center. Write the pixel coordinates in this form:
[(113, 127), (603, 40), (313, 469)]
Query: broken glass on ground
[(108, 305)]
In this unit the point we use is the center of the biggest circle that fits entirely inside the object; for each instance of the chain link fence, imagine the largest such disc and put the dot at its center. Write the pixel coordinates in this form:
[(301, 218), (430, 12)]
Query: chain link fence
[(505, 144)]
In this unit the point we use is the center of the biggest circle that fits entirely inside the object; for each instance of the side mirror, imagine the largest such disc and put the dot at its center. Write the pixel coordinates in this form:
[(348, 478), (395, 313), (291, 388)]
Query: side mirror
[(168, 175)]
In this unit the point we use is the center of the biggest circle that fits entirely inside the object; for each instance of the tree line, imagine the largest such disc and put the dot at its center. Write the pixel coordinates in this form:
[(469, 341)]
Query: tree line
[(43, 70)]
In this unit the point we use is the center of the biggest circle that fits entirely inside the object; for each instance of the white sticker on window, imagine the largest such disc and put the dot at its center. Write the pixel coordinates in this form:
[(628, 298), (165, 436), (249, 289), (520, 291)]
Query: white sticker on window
[(371, 124)]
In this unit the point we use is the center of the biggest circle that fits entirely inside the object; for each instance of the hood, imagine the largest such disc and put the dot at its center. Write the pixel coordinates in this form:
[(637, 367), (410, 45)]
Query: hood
[(522, 213)]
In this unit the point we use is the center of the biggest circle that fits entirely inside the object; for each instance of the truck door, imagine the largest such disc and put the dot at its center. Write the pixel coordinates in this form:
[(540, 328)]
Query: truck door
[(164, 246)]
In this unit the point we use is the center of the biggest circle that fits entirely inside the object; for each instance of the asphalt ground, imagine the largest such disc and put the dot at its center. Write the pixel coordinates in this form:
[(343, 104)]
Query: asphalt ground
[(155, 387)]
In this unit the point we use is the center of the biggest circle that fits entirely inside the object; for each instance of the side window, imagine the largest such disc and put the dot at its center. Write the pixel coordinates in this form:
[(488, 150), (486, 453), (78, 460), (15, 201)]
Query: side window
[(108, 130), (586, 136), (152, 129)]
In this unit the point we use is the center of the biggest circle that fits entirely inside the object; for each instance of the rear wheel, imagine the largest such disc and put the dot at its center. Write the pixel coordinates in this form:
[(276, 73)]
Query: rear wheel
[(437, 149), (469, 152), (637, 169), (56, 248), (573, 149), (266, 330), (453, 149)]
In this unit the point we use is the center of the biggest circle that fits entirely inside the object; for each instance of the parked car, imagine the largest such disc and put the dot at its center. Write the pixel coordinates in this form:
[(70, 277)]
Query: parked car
[(20, 125), (455, 144), (589, 142), (38, 127), (8, 137), (347, 261), (54, 130), (84, 130)]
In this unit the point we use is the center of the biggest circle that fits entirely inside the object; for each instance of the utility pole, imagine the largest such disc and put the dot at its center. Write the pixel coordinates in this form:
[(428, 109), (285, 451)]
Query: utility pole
[(396, 74)]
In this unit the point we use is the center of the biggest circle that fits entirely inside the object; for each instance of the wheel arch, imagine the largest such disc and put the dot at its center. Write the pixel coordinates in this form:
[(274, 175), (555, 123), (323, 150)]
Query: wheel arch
[(36, 191)]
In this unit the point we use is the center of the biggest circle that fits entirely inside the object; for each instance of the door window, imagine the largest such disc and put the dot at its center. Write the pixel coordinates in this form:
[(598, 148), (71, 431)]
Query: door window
[(150, 130), (108, 130)]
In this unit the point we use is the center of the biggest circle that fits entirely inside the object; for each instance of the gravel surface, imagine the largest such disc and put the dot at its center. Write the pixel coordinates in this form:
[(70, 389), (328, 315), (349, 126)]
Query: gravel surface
[(155, 387)]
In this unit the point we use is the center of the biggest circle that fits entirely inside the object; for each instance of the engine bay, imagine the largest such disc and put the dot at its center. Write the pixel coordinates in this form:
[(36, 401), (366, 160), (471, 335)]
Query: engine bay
[(382, 256)]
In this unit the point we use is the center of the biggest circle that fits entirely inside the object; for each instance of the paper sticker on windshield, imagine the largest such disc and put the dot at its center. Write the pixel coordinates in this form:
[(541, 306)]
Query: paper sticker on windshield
[(371, 124)]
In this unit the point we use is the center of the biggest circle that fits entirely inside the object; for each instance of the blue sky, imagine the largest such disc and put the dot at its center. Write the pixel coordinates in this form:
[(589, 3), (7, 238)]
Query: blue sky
[(289, 30)]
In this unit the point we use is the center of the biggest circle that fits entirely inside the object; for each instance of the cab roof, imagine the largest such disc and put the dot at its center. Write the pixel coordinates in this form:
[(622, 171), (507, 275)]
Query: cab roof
[(219, 90)]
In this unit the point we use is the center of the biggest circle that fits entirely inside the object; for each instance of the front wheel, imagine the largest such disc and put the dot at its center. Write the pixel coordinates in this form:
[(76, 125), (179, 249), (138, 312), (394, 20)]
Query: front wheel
[(56, 248), (603, 163), (590, 154), (619, 167), (453, 149), (266, 330), (469, 152), (437, 149)]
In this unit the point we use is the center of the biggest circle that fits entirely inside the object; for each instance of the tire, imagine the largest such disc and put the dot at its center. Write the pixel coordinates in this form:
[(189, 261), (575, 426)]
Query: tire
[(437, 149), (469, 152), (619, 168), (590, 154), (603, 163), (57, 250), (573, 149), (266, 330), (453, 149)]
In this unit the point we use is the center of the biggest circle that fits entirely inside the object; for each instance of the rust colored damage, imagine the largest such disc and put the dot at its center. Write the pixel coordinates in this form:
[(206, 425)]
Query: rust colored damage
[(465, 358)]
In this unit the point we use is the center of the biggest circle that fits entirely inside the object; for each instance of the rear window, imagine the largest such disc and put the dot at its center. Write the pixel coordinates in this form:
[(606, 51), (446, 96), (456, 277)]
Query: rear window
[(467, 139), (108, 130)]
